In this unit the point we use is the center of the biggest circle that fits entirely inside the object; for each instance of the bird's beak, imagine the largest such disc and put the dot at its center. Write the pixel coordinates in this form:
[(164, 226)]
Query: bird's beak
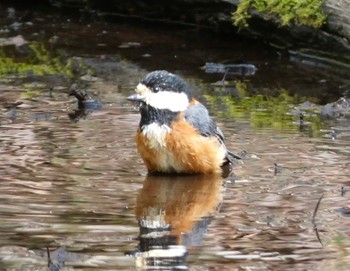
[(136, 98)]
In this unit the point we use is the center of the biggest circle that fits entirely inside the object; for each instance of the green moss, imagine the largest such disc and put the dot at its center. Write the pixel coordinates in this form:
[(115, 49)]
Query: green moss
[(30, 94), (262, 111), (39, 61), (285, 12)]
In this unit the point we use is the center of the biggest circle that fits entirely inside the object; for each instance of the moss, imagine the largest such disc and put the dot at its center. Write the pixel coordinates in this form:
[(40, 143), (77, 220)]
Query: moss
[(30, 94), (263, 111), (39, 61), (285, 12)]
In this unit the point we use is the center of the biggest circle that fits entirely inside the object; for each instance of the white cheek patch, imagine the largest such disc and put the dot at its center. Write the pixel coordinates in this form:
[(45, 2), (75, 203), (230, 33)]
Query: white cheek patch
[(173, 101)]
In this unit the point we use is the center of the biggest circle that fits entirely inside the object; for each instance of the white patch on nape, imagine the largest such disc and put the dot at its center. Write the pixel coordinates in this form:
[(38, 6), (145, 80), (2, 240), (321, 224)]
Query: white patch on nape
[(156, 134), (142, 89), (173, 101)]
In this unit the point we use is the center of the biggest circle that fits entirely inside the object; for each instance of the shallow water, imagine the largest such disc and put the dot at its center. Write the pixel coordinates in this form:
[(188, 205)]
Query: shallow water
[(74, 194)]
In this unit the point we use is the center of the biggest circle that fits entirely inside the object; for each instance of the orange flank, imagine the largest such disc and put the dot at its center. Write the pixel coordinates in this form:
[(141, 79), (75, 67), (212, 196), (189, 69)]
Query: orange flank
[(184, 151), (149, 155)]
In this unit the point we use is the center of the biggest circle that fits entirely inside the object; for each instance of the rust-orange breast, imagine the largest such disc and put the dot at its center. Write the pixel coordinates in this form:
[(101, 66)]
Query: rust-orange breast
[(182, 150)]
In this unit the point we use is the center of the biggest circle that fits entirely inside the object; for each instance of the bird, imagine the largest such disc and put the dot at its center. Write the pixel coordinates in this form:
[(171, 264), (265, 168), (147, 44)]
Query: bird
[(176, 133)]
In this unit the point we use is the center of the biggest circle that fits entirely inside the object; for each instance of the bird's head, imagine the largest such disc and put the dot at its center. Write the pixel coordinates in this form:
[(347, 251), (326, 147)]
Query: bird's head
[(163, 90)]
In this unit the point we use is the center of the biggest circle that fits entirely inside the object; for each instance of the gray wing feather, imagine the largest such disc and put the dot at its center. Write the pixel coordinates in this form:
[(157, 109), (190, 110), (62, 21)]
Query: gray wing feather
[(198, 116)]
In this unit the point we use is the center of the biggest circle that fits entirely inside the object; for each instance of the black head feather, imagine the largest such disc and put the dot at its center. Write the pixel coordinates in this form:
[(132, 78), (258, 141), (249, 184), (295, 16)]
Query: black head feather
[(166, 81)]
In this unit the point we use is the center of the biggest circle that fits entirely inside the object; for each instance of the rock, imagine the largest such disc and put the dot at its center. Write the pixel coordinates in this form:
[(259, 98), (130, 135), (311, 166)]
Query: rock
[(340, 108), (338, 21), (216, 15)]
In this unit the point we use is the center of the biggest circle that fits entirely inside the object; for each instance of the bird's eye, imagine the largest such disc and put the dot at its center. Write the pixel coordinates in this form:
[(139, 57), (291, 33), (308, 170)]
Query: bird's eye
[(156, 89)]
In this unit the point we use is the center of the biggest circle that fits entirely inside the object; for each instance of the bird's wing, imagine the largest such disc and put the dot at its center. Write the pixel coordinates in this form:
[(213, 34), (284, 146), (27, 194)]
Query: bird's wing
[(198, 116)]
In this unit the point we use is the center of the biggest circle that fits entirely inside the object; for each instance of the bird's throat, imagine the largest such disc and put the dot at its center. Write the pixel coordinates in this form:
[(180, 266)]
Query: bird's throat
[(150, 115)]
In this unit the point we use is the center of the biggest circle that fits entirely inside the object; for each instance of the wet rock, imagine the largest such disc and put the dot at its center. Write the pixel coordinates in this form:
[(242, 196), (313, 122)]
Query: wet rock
[(88, 78), (236, 69), (86, 104), (333, 110), (340, 108), (307, 105), (216, 14), (57, 258), (16, 41)]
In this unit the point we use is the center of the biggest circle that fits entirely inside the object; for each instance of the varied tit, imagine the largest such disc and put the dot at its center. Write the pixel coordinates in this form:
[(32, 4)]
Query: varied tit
[(176, 133)]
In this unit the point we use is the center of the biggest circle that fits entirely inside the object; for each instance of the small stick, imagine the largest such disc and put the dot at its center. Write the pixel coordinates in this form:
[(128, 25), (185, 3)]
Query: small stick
[(49, 262), (314, 217)]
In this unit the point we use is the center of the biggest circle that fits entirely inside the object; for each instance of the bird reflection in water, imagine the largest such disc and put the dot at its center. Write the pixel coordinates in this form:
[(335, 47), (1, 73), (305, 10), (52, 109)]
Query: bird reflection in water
[(173, 214)]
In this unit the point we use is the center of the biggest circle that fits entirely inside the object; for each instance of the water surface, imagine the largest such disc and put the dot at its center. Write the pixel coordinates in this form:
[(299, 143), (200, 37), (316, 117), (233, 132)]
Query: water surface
[(75, 194)]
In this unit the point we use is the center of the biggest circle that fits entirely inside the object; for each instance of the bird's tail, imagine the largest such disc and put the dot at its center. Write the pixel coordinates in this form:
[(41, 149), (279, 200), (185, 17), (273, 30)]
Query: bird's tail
[(230, 160), (231, 157)]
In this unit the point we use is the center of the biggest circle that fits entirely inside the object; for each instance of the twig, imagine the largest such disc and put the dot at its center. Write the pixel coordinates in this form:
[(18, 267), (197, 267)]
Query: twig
[(314, 218), (49, 262)]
